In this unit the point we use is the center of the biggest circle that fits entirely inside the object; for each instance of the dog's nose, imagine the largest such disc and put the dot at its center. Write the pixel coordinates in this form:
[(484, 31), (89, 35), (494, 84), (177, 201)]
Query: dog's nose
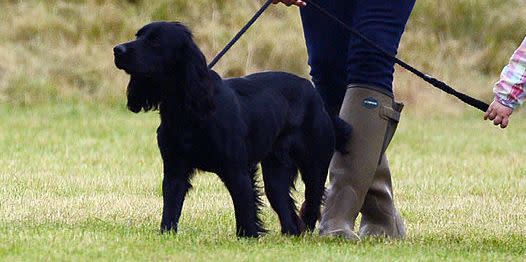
[(119, 50)]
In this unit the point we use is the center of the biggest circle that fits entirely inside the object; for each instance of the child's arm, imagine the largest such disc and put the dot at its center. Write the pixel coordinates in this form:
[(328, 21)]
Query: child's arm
[(509, 90)]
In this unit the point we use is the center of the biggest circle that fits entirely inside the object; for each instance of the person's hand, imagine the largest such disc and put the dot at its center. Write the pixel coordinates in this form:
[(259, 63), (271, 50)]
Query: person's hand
[(299, 3), (498, 113)]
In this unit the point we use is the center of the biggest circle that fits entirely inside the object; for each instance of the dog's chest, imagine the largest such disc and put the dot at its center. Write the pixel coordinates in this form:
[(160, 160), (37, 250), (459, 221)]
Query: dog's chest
[(197, 148), (191, 144), (206, 149)]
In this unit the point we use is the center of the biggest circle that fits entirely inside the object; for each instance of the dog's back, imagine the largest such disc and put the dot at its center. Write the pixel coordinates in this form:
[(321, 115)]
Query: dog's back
[(278, 104), (286, 97)]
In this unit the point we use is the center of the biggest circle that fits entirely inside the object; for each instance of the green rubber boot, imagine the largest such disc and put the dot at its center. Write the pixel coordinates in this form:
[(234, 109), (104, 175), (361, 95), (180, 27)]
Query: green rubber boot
[(371, 112), (379, 214)]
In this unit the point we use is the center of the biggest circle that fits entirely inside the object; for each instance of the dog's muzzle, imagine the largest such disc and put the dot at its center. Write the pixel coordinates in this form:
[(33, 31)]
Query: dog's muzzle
[(119, 53)]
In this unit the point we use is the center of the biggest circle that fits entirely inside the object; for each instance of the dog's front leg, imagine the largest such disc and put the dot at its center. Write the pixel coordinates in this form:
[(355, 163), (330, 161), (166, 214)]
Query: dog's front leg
[(240, 184), (175, 186), (176, 181)]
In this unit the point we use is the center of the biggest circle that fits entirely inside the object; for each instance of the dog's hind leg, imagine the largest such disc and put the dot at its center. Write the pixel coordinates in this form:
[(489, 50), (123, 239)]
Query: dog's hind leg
[(241, 185), (314, 176), (279, 178), (312, 155)]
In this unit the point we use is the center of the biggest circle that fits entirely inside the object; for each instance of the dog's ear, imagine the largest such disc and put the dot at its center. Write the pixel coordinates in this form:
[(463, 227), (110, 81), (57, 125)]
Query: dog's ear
[(142, 93), (198, 84)]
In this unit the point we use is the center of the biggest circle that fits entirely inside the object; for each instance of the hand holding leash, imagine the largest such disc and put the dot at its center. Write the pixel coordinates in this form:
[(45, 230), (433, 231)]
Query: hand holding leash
[(499, 114)]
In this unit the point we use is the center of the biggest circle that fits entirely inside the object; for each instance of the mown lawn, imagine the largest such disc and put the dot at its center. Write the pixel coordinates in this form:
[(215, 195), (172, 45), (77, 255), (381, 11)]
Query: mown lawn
[(81, 182)]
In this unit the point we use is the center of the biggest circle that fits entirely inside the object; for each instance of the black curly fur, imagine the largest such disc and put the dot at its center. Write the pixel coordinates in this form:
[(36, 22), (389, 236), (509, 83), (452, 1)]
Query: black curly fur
[(258, 193)]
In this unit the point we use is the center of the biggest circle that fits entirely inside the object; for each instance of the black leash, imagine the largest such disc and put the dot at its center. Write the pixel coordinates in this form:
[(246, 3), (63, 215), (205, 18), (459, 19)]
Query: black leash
[(433, 81), (241, 32)]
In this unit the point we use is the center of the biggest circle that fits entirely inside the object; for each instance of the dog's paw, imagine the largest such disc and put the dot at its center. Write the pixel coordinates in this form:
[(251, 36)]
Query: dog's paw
[(248, 234), (168, 228), (302, 228), (309, 219)]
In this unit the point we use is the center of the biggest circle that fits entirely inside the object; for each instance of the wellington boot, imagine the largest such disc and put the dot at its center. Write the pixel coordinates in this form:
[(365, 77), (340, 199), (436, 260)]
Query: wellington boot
[(379, 214), (369, 111)]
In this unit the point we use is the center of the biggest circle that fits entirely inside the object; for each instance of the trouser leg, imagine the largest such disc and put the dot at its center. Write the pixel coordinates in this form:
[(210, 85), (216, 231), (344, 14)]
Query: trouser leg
[(383, 22), (327, 45)]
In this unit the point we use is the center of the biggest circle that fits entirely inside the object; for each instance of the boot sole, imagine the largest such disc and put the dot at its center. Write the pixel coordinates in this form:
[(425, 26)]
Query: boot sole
[(349, 235)]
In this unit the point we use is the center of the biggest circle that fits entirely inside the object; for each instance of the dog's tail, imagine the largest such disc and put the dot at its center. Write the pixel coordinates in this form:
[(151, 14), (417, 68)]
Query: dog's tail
[(342, 132)]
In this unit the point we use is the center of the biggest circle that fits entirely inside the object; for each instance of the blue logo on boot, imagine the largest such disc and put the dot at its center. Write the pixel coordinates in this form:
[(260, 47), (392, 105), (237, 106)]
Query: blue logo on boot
[(370, 103)]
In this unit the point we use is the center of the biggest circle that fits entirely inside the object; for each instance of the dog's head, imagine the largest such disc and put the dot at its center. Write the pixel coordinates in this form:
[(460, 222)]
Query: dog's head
[(164, 61), (156, 50)]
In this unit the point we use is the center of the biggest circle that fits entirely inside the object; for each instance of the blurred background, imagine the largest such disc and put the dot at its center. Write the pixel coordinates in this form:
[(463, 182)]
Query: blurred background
[(61, 51)]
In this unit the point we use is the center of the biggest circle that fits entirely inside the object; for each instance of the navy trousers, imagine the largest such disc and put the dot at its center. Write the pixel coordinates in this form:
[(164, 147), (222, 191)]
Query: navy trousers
[(337, 58)]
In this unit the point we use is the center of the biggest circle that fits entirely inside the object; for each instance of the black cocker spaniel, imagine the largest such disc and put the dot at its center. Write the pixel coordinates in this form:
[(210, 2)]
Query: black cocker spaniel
[(228, 126)]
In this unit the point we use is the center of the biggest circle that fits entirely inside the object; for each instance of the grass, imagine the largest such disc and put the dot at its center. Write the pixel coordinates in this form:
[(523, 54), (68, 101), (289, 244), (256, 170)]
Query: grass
[(80, 177), (82, 182)]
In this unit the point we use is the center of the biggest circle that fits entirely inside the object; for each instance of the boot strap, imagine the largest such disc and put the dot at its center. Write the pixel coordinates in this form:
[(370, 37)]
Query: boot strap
[(392, 113)]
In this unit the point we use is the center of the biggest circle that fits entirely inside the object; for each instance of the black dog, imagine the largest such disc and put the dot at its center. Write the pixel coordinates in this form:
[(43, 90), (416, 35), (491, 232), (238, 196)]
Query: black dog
[(228, 127)]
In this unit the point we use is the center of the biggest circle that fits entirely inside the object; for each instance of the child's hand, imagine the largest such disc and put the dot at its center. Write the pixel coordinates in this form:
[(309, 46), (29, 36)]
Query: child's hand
[(498, 113), (299, 3)]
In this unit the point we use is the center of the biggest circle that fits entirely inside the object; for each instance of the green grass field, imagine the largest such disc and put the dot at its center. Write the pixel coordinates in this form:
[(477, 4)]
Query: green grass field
[(80, 177), (82, 182)]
